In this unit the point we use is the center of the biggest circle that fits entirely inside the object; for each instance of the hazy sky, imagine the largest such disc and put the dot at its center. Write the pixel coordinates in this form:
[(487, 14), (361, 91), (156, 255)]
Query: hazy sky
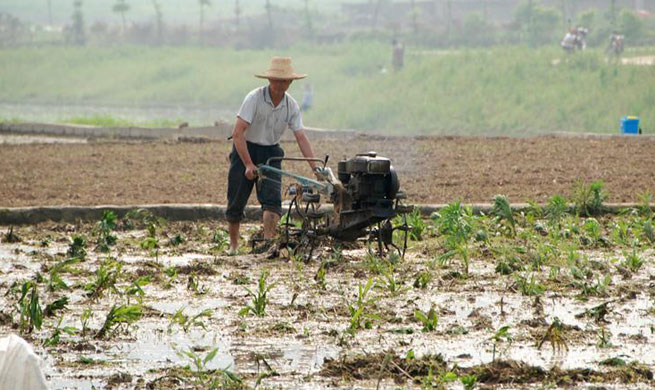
[(174, 11)]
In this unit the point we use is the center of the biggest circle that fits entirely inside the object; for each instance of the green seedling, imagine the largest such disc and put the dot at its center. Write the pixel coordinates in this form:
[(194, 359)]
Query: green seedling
[(389, 282), (422, 279), (259, 299), (29, 308), (104, 230), (645, 201), (186, 322), (52, 308), (416, 223), (87, 314), (210, 379), (604, 339), (429, 319), (593, 230), (221, 239), (360, 315), (151, 244), (194, 285), (632, 261), (54, 339), (503, 213), (136, 289), (501, 335), (319, 277), (469, 381), (530, 287), (77, 248), (648, 231), (105, 278), (117, 316), (56, 282), (588, 199), (556, 209), (597, 313), (176, 240), (171, 272)]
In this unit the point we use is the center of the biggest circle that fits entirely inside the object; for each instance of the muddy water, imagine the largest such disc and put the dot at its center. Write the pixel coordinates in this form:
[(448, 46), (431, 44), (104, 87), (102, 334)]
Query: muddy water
[(305, 324)]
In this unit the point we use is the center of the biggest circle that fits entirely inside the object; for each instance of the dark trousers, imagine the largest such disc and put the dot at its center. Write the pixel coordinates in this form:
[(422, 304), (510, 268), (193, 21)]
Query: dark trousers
[(269, 190)]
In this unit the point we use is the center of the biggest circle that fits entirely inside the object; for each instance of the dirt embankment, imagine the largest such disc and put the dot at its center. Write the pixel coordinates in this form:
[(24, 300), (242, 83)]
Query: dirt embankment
[(431, 169)]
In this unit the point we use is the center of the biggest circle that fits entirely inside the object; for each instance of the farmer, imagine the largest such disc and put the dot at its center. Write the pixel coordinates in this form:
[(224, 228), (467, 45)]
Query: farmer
[(397, 55), (265, 114)]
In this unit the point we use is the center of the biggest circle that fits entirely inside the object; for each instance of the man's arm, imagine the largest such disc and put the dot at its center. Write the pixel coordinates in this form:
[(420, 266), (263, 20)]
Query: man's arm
[(239, 139), (305, 146)]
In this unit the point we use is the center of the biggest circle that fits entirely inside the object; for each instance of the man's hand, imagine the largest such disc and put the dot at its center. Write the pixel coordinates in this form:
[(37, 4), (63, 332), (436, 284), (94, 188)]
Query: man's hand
[(251, 172), (318, 172)]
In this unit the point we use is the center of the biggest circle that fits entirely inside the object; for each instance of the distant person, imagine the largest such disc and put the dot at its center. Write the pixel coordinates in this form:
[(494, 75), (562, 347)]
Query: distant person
[(307, 98), (265, 114), (616, 45), (397, 55), (574, 40)]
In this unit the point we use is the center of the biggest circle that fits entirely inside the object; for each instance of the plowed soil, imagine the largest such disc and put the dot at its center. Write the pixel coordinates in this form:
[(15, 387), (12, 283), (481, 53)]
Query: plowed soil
[(431, 169)]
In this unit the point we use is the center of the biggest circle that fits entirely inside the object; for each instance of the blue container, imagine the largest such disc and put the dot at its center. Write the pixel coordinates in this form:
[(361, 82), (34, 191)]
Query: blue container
[(630, 125)]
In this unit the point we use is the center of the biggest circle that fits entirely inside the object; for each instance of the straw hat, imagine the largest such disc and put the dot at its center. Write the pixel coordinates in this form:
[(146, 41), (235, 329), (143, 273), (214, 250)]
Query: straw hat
[(281, 69)]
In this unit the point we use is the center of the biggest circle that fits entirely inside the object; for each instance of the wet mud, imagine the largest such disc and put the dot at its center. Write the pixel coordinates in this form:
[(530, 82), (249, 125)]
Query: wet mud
[(568, 315)]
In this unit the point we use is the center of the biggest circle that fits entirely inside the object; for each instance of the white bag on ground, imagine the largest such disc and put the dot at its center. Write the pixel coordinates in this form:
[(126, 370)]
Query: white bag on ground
[(19, 366)]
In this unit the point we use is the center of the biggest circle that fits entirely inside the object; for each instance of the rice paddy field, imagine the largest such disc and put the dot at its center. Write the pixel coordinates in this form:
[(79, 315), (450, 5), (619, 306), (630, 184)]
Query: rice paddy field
[(559, 296)]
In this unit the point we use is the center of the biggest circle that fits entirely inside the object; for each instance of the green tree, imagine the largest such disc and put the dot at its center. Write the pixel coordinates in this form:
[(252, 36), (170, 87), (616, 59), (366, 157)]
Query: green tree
[(631, 26), (121, 7), (159, 19), (201, 21), (538, 24), (77, 30)]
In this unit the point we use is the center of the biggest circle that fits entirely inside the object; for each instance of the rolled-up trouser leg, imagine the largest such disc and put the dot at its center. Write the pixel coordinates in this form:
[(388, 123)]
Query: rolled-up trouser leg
[(238, 188)]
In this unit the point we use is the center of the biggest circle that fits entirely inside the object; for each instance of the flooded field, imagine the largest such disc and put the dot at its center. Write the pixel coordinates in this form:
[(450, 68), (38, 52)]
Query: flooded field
[(540, 300)]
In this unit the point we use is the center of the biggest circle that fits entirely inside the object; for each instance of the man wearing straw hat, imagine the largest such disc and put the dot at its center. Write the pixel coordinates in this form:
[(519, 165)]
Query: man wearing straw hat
[(265, 114)]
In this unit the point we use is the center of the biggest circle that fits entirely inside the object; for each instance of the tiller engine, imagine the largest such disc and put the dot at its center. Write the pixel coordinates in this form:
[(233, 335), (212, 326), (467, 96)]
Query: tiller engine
[(365, 197)]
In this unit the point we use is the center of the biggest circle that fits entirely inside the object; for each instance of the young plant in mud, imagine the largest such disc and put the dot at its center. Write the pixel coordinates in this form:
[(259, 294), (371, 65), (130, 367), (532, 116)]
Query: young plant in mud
[(588, 199), (52, 308), (632, 261), (186, 322), (389, 282), (210, 379), (429, 319), (468, 381), (29, 308), (194, 285), (529, 286), (502, 335), (87, 314), (555, 210), (119, 315), (503, 212), (456, 223), (260, 298), (136, 289), (106, 277), (56, 282), (151, 244), (360, 315), (422, 279), (415, 222), (77, 248), (104, 230), (54, 339)]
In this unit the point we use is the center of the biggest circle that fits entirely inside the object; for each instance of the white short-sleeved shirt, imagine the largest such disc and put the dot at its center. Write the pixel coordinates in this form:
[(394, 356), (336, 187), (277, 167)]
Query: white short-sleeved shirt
[(267, 123)]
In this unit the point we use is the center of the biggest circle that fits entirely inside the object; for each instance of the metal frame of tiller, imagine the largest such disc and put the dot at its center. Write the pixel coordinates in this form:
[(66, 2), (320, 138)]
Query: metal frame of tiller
[(352, 217)]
